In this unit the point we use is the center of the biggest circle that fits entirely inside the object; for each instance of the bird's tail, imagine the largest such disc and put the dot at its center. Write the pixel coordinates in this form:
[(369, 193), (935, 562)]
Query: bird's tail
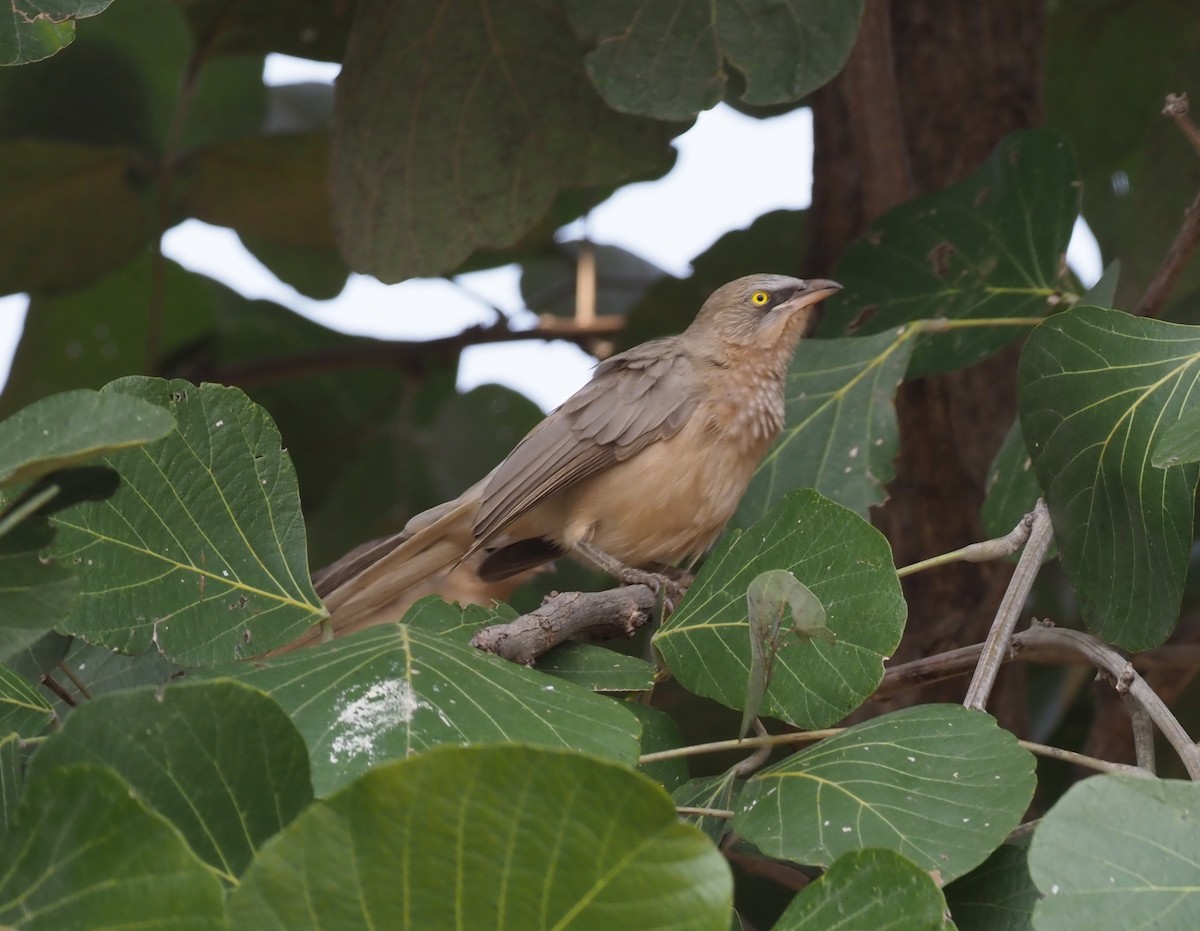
[(375, 582)]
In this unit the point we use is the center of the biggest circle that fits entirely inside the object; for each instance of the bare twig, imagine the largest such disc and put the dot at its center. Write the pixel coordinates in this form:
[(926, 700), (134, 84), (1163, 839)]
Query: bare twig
[(54, 686), (719, 746), (1177, 257), (1080, 759), (1118, 666), (413, 356), (996, 647), (947, 665), (1143, 732), (1057, 753), (76, 681), (617, 612), (984, 551), (723, 813), (1176, 107), (1163, 282)]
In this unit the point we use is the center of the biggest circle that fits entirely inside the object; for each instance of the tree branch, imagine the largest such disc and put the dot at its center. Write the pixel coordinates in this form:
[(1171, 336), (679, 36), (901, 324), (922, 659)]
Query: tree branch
[(1128, 681), (617, 612), (996, 647), (952, 663), (1177, 257), (412, 356), (987, 550)]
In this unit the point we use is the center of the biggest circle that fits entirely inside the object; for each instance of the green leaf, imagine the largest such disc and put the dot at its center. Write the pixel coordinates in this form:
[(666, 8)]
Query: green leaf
[(993, 245), (22, 42), (1119, 852), (667, 60), (777, 240), (535, 124), (715, 792), (394, 690), (1180, 442), (841, 434), (771, 596), (122, 84), (1098, 388), (302, 28), (39, 28), (102, 670), (86, 137), (23, 710), (475, 430), (1012, 486), (201, 550), (73, 427), (274, 191), (659, 732), (875, 889), (12, 779), (33, 658), (219, 760), (848, 566), (46, 185), (489, 837), (87, 337), (1138, 171), (998, 895), (940, 784), (83, 852), (363, 412), (597, 668), (34, 593)]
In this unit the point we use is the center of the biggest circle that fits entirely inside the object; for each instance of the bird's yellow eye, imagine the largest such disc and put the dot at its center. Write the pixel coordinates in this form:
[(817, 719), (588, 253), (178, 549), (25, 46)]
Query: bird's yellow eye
[(759, 298)]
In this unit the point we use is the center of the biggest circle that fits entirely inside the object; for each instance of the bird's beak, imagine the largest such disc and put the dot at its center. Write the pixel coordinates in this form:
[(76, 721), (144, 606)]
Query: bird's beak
[(814, 291)]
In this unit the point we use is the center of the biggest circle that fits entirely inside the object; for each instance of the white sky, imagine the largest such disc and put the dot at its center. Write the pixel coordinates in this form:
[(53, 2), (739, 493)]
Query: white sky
[(731, 169)]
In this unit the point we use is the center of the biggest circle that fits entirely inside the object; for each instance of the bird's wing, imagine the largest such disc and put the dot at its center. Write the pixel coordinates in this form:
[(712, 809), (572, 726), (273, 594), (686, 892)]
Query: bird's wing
[(635, 399)]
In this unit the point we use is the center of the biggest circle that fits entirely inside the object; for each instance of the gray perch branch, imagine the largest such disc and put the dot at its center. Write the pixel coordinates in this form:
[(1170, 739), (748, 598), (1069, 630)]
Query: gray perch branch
[(618, 612)]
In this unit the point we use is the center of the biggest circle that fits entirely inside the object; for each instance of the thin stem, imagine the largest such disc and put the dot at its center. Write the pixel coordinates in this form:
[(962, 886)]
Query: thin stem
[(723, 813), (52, 684), (1080, 759), (720, 746), (1186, 240), (995, 648), (985, 551), (945, 324), (1176, 107), (1057, 753), (75, 680)]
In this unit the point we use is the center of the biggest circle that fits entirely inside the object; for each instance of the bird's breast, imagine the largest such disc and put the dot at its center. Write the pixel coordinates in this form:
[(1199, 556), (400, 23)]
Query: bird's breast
[(669, 502)]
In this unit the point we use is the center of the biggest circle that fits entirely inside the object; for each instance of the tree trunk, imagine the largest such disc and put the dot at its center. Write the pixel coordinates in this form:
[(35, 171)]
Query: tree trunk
[(929, 91)]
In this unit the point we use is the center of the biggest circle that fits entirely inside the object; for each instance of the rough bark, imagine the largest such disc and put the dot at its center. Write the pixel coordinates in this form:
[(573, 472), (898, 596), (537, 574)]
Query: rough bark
[(962, 76)]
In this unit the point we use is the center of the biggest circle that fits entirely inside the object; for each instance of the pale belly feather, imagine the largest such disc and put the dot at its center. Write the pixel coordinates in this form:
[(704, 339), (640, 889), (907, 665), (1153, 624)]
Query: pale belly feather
[(673, 505)]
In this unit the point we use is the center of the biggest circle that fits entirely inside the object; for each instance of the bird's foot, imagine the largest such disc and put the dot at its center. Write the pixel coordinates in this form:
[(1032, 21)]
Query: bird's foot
[(670, 589)]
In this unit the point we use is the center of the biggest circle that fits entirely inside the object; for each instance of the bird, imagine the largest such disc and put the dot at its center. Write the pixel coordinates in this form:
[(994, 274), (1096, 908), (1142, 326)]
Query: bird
[(639, 470)]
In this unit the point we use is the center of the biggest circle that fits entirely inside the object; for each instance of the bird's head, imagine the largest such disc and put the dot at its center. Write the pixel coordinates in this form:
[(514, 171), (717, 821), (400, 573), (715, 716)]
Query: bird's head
[(763, 311)]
